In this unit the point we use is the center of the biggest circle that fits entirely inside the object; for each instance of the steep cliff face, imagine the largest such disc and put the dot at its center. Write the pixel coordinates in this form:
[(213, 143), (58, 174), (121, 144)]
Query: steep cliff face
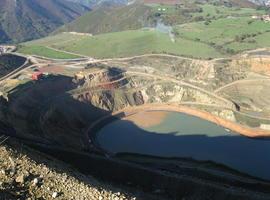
[(59, 109), (107, 89)]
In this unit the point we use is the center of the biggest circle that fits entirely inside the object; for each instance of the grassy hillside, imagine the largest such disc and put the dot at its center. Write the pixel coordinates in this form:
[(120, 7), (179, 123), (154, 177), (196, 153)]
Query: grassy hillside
[(139, 15), (131, 17), (122, 44), (228, 34), (210, 10), (218, 38), (46, 52), (212, 30), (111, 19)]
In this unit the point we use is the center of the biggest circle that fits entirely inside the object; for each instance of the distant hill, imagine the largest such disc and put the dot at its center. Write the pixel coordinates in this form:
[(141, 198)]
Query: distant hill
[(261, 2), (148, 13), (111, 19), (240, 3), (93, 3), (22, 20)]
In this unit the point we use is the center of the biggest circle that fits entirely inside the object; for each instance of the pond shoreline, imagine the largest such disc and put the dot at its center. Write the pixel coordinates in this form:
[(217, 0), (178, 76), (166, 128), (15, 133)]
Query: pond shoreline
[(226, 124)]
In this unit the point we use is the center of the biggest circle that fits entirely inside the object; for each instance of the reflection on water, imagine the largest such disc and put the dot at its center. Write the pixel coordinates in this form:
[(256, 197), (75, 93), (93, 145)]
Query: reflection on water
[(181, 135)]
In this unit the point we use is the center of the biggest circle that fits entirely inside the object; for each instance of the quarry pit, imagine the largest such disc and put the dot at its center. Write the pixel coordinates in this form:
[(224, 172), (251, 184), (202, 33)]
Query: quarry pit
[(63, 112)]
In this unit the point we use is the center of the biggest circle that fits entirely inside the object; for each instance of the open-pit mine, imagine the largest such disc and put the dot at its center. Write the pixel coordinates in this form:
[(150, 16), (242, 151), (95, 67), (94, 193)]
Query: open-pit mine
[(178, 126)]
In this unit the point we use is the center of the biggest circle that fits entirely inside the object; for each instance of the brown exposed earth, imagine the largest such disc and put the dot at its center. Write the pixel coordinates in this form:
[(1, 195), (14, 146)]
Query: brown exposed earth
[(259, 65), (147, 119)]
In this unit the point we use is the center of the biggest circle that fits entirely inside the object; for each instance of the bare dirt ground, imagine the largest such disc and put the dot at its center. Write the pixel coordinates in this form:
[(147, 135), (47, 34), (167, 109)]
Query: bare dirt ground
[(147, 119), (27, 174)]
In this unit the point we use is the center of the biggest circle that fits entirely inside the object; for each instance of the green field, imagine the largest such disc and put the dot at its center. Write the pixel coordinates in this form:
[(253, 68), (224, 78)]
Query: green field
[(56, 39), (122, 44), (209, 10), (262, 40), (192, 12), (234, 33), (139, 15), (220, 37), (206, 10), (45, 52)]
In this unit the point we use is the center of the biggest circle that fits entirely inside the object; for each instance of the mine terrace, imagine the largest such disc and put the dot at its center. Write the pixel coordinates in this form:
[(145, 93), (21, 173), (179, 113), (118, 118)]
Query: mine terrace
[(86, 95), (170, 98)]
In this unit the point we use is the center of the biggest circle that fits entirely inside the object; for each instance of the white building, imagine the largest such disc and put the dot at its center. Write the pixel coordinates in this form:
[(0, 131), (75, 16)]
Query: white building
[(266, 18)]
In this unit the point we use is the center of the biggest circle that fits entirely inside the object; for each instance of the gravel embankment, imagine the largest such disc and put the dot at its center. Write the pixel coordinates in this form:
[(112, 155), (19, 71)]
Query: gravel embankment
[(27, 174)]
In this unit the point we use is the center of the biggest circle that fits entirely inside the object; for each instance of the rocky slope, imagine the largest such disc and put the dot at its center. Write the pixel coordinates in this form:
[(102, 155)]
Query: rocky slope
[(28, 174), (59, 109), (29, 19)]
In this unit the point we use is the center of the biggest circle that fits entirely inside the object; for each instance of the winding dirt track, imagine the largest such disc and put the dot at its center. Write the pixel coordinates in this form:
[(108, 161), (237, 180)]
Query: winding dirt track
[(67, 52), (226, 101), (241, 81)]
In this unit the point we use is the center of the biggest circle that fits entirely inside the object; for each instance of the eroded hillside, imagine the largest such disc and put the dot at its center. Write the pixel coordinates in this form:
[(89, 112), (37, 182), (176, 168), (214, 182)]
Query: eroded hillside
[(80, 93), (57, 106)]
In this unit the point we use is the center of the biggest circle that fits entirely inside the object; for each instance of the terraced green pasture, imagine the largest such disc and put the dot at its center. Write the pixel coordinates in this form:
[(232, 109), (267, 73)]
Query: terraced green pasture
[(45, 52), (236, 33), (211, 10), (126, 43), (219, 38)]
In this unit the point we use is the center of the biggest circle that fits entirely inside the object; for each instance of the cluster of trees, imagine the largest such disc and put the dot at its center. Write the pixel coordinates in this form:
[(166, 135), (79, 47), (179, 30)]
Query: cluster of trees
[(242, 37), (267, 9)]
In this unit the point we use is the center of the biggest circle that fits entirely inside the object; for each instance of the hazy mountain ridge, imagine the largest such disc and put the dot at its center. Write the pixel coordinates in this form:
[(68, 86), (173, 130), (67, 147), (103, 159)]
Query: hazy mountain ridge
[(93, 3), (29, 19), (97, 2), (261, 2)]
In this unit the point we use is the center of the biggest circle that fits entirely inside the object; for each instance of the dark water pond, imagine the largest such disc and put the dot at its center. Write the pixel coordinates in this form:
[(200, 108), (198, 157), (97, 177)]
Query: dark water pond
[(182, 135)]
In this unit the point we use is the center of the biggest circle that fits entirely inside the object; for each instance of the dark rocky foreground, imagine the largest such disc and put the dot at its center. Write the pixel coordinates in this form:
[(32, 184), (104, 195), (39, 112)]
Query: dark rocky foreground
[(28, 174)]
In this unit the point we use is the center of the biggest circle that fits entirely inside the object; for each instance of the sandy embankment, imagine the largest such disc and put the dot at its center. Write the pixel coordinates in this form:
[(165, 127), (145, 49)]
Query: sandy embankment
[(243, 130), (147, 119)]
